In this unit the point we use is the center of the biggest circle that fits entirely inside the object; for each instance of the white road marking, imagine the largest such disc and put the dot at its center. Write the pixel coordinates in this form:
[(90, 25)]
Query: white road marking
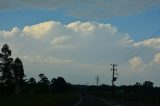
[(78, 102)]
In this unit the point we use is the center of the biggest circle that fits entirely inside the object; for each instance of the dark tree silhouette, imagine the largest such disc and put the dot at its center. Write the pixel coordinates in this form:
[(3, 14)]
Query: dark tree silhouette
[(6, 70), (137, 84), (44, 83), (44, 80), (32, 81), (148, 84), (11, 71), (18, 70), (59, 84), (31, 86), (6, 62)]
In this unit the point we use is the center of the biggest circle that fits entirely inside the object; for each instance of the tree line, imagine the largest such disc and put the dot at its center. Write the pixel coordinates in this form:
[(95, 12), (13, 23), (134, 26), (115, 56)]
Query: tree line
[(147, 87), (12, 80)]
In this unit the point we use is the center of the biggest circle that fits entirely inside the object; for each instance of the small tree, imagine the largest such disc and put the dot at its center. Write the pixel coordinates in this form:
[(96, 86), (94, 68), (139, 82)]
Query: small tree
[(44, 83), (32, 81), (43, 79), (148, 84), (18, 70), (137, 84), (59, 84), (31, 85)]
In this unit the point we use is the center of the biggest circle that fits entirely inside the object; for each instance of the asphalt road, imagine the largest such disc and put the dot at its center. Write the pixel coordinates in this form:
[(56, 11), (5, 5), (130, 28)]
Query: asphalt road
[(93, 101), (90, 101)]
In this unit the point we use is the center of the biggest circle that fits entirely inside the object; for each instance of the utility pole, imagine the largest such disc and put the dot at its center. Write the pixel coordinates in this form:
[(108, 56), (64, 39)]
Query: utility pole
[(97, 80), (113, 76)]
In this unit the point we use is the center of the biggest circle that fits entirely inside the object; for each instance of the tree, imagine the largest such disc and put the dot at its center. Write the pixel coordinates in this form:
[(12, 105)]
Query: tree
[(59, 84), (43, 79), (11, 70), (32, 81), (18, 70), (6, 65), (148, 84), (44, 83), (137, 84), (6, 78), (31, 86)]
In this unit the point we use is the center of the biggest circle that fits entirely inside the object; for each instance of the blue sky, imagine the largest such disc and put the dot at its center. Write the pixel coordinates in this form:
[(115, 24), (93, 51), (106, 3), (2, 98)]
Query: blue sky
[(84, 36), (140, 25)]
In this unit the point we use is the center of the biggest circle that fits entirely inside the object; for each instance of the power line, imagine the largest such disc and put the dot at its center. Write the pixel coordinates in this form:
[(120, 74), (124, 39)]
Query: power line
[(148, 59), (140, 50)]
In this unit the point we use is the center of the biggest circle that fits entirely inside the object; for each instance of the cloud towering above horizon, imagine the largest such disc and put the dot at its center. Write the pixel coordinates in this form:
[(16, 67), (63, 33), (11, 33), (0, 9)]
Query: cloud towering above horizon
[(78, 48)]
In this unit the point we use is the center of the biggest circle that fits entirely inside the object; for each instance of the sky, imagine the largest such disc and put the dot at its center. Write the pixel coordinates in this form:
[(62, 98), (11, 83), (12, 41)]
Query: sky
[(79, 39)]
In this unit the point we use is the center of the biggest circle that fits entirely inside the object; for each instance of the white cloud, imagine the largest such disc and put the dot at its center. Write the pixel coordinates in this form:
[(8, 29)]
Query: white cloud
[(45, 60), (78, 47), (60, 40), (136, 62), (152, 42), (9, 34), (86, 40), (127, 40), (74, 34), (82, 27), (40, 30), (91, 27), (157, 58)]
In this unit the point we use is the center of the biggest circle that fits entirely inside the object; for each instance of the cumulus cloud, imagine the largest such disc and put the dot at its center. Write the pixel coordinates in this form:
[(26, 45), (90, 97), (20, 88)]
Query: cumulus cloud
[(81, 27), (9, 34), (60, 40), (136, 62), (84, 42), (157, 58), (59, 34), (128, 40), (89, 9), (40, 30), (78, 47), (152, 42)]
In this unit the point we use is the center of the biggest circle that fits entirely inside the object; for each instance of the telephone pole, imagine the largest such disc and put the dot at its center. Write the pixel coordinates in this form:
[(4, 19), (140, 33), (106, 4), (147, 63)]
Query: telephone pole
[(113, 76), (97, 80)]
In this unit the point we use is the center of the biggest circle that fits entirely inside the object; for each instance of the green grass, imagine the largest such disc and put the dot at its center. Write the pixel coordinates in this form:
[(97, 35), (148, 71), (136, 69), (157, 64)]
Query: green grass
[(67, 99)]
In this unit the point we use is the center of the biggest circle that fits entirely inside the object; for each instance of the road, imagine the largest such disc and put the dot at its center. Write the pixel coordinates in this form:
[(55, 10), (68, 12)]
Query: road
[(90, 101), (93, 101)]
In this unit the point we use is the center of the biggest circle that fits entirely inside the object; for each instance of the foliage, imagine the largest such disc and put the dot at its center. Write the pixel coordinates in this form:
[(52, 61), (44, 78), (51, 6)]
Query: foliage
[(12, 72), (59, 84)]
